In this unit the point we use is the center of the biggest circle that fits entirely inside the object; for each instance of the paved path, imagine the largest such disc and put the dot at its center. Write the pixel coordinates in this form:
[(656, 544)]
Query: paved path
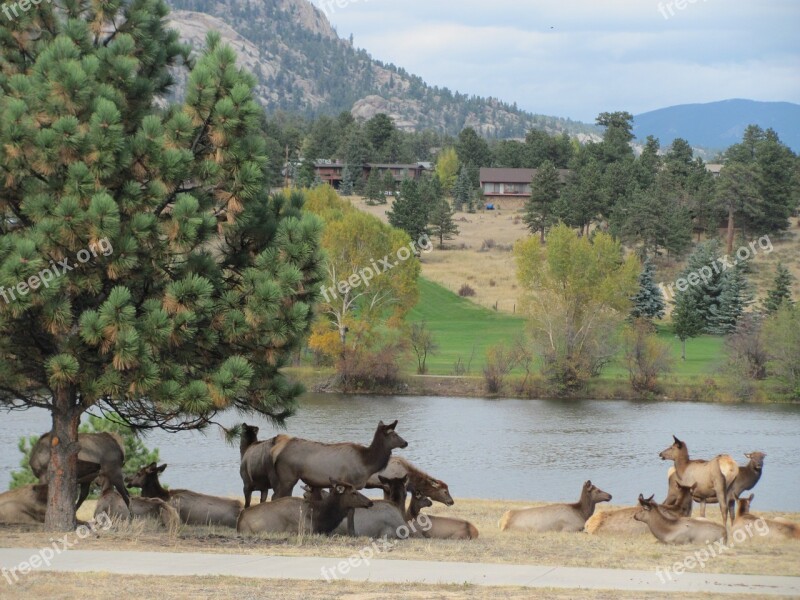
[(311, 568)]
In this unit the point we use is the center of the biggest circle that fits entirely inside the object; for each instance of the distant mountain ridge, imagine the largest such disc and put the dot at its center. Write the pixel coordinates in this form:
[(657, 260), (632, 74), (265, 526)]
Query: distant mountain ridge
[(303, 66), (717, 125)]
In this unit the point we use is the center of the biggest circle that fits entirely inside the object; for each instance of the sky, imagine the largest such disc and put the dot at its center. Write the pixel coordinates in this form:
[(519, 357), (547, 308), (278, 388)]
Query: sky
[(577, 58)]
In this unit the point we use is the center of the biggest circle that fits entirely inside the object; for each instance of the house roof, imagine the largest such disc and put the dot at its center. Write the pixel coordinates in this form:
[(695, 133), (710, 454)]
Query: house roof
[(494, 175)]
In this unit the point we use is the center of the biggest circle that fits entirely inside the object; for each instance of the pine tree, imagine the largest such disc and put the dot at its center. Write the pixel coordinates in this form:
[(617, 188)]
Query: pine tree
[(462, 189), (733, 299), (163, 321), (374, 193), (781, 293), (388, 183), (441, 221), (648, 303), (687, 318), (408, 212), (346, 186), (545, 191)]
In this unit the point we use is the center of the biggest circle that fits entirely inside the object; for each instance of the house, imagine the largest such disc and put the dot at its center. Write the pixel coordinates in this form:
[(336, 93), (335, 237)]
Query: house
[(331, 171), (714, 168), (510, 188)]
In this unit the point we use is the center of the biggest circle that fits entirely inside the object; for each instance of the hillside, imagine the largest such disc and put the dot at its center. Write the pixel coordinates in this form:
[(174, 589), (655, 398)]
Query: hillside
[(719, 124), (303, 66)]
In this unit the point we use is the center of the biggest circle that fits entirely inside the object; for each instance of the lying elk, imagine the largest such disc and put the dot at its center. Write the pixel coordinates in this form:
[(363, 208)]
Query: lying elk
[(670, 529), (317, 514), (399, 467), (556, 517), (100, 454), (385, 518), (256, 462), (713, 477), (772, 529), (26, 505), (621, 521), (193, 508), (112, 504), (316, 463), (440, 528)]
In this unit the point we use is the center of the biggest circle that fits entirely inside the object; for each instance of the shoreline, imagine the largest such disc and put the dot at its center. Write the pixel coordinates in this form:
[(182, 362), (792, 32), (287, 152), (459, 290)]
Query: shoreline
[(710, 390)]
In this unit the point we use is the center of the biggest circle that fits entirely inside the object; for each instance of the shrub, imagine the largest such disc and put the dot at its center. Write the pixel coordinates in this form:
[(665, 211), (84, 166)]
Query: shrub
[(466, 291), (500, 361), (646, 357)]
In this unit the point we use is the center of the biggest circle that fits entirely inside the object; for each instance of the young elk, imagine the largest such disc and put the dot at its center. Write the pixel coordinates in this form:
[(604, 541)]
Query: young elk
[(556, 517), (677, 530)]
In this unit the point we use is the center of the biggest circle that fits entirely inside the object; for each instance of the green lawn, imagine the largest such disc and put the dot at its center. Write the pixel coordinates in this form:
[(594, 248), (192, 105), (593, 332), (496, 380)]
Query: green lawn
[(459, 326)]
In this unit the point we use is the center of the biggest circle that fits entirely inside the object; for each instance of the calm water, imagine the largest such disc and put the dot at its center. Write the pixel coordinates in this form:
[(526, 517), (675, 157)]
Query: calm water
[(514, 449)]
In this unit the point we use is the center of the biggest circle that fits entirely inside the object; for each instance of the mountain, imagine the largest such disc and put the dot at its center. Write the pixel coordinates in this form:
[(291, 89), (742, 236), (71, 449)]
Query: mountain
[(303, 66), (719, 124)]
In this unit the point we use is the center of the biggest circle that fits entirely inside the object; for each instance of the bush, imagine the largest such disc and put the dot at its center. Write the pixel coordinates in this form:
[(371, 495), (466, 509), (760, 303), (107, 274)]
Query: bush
[(500, 361), (646, 357), (466, 291)]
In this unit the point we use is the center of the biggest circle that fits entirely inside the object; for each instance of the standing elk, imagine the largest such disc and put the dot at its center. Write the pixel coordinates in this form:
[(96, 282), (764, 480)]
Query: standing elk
[(713, 477), (100, 454), (315, 463), (193, 508), (256, 462), (556, 517)]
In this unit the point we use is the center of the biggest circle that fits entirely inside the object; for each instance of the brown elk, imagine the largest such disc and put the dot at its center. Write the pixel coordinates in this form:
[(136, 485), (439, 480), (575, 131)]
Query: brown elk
[(435, 527), (713, 477), (670, 529), (556, 517), (100, 454), (256, 463), (772, 529), (25, 505), (398, 467), (315, 514), (621, 521), (193, 508), (316, 463), (112, 504)]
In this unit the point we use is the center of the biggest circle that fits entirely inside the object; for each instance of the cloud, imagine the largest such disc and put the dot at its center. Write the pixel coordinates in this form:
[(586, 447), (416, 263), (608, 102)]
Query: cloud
[(576, 58)]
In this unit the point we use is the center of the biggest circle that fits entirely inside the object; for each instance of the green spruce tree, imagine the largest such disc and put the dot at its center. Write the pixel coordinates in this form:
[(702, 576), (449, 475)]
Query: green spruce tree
[(374, 191), (545, 192), (781, 292), (408, 212), (441, 222), (648, 303), (462, 189), (347, 187)]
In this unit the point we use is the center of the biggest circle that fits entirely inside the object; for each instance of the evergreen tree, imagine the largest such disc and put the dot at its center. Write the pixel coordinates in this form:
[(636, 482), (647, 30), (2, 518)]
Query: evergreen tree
[(164, 322), (545, 191), (408, 212), (441, 221), (648, 303), (388, 183), (462, 190), (687, 318), (733, 299), (374, 191), (346, 187), (781, 293)]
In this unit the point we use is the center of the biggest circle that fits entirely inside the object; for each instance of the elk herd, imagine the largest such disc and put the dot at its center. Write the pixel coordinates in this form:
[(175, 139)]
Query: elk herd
[(334, 475)]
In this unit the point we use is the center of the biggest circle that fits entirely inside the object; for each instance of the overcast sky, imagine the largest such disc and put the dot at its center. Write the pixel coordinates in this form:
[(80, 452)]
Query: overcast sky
[(577, 58)]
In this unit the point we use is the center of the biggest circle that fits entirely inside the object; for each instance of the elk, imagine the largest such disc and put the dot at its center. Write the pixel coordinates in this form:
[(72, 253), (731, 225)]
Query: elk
[(772, 529), (621, 521), (26, 505), (713, 477), (112, 504), (193, 508), (398, 467), (670, 529), (256, 462), (385, 518), (315, 514), (556, 517), (99, 454), (441, 528), (315, 463)]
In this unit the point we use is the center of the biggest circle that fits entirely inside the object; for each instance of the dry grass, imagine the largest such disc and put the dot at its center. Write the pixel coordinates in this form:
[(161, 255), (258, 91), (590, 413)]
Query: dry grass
[(463, 262), (493, 546), (93, 586)]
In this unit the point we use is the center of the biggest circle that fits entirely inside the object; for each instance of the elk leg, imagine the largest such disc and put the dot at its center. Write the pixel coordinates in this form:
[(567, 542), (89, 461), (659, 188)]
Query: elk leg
[(702, 508), (351, 522), (118, 481), (264, 494), (248, 492)]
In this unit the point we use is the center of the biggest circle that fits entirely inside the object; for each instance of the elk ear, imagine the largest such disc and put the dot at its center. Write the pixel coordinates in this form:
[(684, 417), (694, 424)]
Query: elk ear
[(381, 425), (405, 480), (384, 480), (162, 468), (434, 484), (750, 499), (588, 484), (391, 426), (650, 499), (678, 443)]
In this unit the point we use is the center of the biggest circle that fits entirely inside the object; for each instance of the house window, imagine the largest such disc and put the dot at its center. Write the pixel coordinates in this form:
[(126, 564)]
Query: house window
[(513, 188)]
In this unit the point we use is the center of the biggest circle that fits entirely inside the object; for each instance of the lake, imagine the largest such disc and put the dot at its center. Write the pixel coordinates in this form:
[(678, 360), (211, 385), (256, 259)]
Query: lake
[(513, 449)]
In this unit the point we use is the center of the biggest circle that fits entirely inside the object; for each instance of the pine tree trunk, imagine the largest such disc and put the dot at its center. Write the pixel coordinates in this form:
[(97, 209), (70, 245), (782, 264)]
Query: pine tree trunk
[(62, 472), (730, 230), (683, 349), (542, 234)]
